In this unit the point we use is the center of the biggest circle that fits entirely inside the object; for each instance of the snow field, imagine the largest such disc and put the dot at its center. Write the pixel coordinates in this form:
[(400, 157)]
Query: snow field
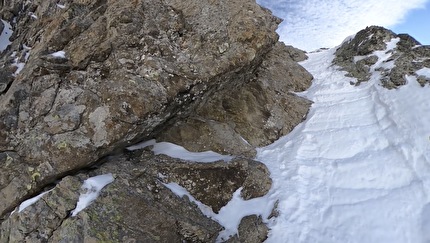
[(357, 170)]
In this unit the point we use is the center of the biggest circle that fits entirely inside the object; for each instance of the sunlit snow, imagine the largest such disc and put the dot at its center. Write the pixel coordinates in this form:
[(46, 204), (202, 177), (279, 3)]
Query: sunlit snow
[(357, 170), (92, 187)]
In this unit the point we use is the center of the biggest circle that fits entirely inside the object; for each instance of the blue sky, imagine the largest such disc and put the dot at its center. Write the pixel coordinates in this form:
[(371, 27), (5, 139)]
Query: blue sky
[(312, 24), (416, 24)]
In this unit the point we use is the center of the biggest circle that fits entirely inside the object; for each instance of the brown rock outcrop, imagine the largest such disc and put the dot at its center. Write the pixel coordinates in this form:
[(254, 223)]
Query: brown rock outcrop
[(255, 112), (82, 80), (408, 56), (128, 67), (136, 205)]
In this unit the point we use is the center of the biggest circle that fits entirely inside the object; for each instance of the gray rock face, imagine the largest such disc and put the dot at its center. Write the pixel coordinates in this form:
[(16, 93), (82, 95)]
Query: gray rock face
[(137, 206), (214, 184), (255, 112), (296, 54), (129, 66), (38, 222), (408, 56), (102, 75)]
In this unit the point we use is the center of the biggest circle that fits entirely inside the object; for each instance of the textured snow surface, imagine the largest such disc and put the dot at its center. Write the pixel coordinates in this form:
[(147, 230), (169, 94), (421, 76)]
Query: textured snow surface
[(92, 187), (357, 170)]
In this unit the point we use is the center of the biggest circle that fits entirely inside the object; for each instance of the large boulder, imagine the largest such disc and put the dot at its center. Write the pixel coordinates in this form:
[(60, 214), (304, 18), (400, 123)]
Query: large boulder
[(214, 183), (254, 112), (101, 75), (251, 229), (82, 80)]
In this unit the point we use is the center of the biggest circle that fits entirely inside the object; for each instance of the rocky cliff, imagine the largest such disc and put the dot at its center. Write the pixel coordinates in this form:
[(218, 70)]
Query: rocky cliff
[(82, 80), (356, 56)]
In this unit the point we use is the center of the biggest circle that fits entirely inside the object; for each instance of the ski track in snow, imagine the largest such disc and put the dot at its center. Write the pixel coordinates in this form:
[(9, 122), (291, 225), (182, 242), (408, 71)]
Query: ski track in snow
[(357, 170)]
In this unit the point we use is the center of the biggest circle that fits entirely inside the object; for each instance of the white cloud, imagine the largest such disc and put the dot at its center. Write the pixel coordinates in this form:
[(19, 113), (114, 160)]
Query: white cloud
[(311, 24)]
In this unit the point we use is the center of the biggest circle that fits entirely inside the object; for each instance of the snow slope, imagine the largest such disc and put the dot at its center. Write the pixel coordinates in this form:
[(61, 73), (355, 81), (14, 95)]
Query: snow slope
[(358, 169)]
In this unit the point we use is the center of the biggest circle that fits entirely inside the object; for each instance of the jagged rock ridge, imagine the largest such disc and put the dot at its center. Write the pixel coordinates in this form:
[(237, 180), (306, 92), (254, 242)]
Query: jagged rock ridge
[(356, 56)]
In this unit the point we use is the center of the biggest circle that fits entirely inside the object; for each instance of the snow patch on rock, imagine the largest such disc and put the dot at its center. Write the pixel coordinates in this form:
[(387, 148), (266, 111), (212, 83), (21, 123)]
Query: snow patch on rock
[(27, 203), (356, 170), (59, 54), (5, 35), (92, 186)]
